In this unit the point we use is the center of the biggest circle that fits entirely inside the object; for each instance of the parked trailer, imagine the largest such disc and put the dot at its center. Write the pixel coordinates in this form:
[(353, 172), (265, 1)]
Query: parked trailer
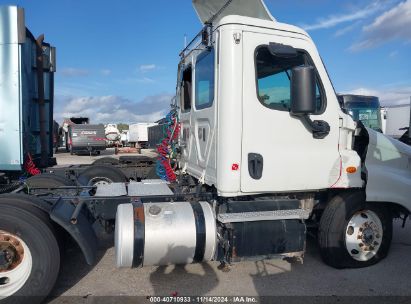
[(232, 194), (155, 135), (397, 119), (125, 135), (86, 138), (66, 126), (26, 113), (138, 133)]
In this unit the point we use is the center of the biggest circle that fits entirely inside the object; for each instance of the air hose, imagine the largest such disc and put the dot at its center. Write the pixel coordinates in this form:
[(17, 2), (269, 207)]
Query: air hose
[(166, 161), (30, 167)]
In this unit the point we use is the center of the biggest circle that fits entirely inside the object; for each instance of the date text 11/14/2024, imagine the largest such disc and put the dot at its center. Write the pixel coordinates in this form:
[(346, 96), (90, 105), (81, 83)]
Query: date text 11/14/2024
[(204, 299)]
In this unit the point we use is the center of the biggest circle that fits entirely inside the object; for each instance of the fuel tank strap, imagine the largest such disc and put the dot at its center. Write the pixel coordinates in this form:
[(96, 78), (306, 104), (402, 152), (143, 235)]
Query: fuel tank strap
[(200, 232), (138, 215)]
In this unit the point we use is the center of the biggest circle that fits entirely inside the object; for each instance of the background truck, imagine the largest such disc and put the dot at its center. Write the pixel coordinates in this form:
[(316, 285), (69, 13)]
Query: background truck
[(138, 133), (28, 134), (81, 136), (26, 112), (65, 128), (396, 120), (366, 109), (86, 138), (113, 135), (257, 151)]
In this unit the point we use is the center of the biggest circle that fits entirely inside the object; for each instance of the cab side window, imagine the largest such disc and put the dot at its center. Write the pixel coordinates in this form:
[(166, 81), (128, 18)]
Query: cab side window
[(186, 89), (204, 80), (273, 79)]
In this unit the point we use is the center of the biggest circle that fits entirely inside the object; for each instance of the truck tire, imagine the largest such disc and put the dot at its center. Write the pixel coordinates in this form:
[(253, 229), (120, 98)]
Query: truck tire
[(46, 180), (106, 161), (354, 233), (31, 276), (101, 174)]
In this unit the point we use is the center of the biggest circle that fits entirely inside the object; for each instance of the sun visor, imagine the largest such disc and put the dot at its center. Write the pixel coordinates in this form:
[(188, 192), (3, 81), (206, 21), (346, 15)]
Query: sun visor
[(248, 8)]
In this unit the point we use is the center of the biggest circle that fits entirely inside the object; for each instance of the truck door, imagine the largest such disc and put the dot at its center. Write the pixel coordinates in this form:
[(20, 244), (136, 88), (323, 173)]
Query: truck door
[(279, 152), (198, 116)]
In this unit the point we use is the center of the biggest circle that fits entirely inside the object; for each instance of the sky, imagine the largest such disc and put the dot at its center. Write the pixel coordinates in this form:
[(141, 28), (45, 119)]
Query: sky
[(117, 60)]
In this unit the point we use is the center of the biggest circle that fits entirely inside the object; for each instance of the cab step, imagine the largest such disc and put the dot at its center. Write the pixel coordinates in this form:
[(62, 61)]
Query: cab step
[(275, 215)]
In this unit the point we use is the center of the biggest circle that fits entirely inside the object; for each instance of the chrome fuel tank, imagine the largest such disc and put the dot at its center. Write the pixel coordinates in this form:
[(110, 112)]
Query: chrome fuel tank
[(164, 233)]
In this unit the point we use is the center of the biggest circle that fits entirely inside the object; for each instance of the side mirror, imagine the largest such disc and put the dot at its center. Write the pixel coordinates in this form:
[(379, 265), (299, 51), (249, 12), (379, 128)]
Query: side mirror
[(303, 87)]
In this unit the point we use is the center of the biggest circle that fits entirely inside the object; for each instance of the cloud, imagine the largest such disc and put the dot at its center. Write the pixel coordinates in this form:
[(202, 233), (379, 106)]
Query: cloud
[(134, 80), (145, 80), (393, 54), (334, 20), (74, 72), (105, 72), (147, 67), (347, 29), (393, 24), (113, 109), (388, 95)]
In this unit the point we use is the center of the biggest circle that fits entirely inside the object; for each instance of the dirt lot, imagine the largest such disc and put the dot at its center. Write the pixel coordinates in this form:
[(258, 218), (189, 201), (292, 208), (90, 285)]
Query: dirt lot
[(391, 277)]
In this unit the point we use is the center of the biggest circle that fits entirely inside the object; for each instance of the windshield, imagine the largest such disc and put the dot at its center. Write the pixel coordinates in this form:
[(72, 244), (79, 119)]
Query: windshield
[(368, 114)]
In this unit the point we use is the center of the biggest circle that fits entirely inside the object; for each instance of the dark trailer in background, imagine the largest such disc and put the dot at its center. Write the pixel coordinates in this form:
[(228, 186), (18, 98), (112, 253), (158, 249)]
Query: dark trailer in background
[(156, 133), (27, 67), (86, 138)]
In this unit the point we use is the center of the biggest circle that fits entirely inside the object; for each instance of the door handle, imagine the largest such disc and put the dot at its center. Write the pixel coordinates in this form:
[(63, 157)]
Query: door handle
[(255, 165)]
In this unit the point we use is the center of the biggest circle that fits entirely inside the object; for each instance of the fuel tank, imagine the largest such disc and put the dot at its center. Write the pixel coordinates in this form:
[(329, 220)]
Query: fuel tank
[(164, 233)]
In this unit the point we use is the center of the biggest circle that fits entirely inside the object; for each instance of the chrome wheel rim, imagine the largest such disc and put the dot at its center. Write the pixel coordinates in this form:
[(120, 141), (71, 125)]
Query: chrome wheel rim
[(363, 235), (16, 266), (98, 181)]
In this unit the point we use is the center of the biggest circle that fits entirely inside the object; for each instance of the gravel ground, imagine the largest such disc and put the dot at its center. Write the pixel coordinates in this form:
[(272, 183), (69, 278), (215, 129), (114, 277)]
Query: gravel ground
[(391, 277)]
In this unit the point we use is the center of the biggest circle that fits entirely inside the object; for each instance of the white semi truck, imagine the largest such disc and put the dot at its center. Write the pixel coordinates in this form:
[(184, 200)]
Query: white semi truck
[(261, 150)]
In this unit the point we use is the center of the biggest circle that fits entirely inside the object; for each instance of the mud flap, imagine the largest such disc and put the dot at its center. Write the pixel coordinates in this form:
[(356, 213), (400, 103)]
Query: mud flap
[(82, 232)]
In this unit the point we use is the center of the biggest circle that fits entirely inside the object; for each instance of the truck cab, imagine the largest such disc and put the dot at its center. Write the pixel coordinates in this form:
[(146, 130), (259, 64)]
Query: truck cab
[(239, 132), (260, 120), (256, 152)]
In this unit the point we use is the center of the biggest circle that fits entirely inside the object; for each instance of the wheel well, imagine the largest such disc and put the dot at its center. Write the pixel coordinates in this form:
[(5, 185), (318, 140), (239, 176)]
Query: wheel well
[(47, 208), (28, 200), (398, 211)]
